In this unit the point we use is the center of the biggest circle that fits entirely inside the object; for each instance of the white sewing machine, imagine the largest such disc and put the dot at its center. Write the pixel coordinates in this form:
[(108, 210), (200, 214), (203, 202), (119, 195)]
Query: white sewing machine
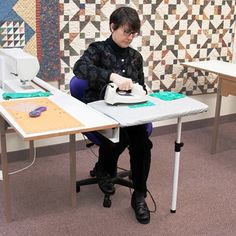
[(17, 70)]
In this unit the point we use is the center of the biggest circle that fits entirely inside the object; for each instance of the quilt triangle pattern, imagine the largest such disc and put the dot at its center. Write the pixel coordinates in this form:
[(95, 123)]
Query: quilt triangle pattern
[(173, 31)]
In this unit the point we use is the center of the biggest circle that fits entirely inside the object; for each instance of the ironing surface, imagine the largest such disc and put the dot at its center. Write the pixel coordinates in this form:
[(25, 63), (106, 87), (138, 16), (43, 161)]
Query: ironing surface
[(161, 110)]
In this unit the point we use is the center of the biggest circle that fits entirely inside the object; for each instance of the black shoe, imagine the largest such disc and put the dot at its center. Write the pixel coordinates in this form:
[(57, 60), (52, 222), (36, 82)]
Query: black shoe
[(106, 185), (104, 181), (140, 207)]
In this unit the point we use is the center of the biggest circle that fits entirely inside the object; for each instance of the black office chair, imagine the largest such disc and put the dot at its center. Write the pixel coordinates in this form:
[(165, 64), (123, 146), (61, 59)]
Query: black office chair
[(77, 89)]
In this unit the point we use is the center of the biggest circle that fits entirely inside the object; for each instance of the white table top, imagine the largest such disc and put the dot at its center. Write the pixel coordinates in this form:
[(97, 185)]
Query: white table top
[(162, 110), (215, 66), (90, 118)]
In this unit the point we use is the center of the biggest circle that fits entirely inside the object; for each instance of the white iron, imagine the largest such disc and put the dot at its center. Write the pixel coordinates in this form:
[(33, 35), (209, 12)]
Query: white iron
[(114, 96)]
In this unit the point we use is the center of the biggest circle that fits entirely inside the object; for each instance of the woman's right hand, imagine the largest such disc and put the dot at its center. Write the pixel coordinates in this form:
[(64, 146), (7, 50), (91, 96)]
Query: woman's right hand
[(121, 82)]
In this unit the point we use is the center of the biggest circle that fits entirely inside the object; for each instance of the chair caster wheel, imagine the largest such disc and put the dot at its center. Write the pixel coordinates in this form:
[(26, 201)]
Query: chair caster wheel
[(107, 201)]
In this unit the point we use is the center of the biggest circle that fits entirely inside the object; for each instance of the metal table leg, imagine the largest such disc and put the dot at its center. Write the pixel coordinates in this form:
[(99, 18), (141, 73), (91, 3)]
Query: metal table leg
[(217, 118), (178, 145), (73, 170), (5, 173)]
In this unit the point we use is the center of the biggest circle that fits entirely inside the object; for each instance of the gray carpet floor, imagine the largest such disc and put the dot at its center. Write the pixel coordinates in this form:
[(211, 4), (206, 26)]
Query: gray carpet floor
[(206, 195)]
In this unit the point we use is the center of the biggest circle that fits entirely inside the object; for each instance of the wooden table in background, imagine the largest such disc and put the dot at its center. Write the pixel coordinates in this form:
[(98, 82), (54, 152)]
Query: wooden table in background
[(226, 73)]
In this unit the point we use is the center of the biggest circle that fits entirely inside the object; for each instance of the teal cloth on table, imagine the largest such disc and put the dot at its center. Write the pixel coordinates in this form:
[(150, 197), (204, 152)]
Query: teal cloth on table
[(167, 96), (8, 96), (144, 104)]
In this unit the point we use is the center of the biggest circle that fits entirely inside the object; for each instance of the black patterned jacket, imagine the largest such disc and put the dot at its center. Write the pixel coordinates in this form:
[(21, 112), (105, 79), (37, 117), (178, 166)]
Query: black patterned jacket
[(101, 59)]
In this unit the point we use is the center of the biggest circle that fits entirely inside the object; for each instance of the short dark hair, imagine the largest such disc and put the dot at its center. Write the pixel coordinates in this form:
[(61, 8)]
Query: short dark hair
[(125, 16)]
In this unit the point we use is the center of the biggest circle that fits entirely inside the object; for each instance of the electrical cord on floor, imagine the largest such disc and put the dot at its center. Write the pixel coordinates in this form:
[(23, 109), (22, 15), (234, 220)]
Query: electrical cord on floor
[(152, 198), (154, 202), (89, 145), (26, 167)]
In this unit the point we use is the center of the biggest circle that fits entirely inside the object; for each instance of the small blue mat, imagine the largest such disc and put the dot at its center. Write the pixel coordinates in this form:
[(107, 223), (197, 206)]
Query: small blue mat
[(144, 104), (8, 96), (167, 96)]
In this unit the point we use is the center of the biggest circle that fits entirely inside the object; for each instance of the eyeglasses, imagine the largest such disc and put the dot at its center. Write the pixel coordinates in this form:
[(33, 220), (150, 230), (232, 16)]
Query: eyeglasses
[(128, 33)]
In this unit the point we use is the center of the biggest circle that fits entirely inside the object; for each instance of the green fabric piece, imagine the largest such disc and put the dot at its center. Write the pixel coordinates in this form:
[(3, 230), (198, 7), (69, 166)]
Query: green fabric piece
[(8, 96), (167, 96), (144, 104)]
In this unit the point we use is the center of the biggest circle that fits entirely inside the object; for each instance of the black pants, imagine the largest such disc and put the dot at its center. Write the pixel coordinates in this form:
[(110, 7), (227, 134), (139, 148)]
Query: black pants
[(139, 145)]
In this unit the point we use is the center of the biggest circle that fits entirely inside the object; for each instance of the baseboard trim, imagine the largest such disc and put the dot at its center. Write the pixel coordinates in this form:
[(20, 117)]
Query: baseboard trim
[(57, 149)]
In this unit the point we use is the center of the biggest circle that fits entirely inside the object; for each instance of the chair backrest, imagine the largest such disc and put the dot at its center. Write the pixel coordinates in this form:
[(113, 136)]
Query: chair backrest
[(149, 128), (78, 87)]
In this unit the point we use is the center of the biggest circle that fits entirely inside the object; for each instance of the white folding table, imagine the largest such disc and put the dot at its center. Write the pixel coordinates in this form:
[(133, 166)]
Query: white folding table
[(161, 110), (90, 119)]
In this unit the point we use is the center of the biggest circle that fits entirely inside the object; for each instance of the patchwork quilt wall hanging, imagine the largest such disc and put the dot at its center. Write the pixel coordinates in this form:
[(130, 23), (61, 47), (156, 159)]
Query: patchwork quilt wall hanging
[(173, 31), (33, 26)]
